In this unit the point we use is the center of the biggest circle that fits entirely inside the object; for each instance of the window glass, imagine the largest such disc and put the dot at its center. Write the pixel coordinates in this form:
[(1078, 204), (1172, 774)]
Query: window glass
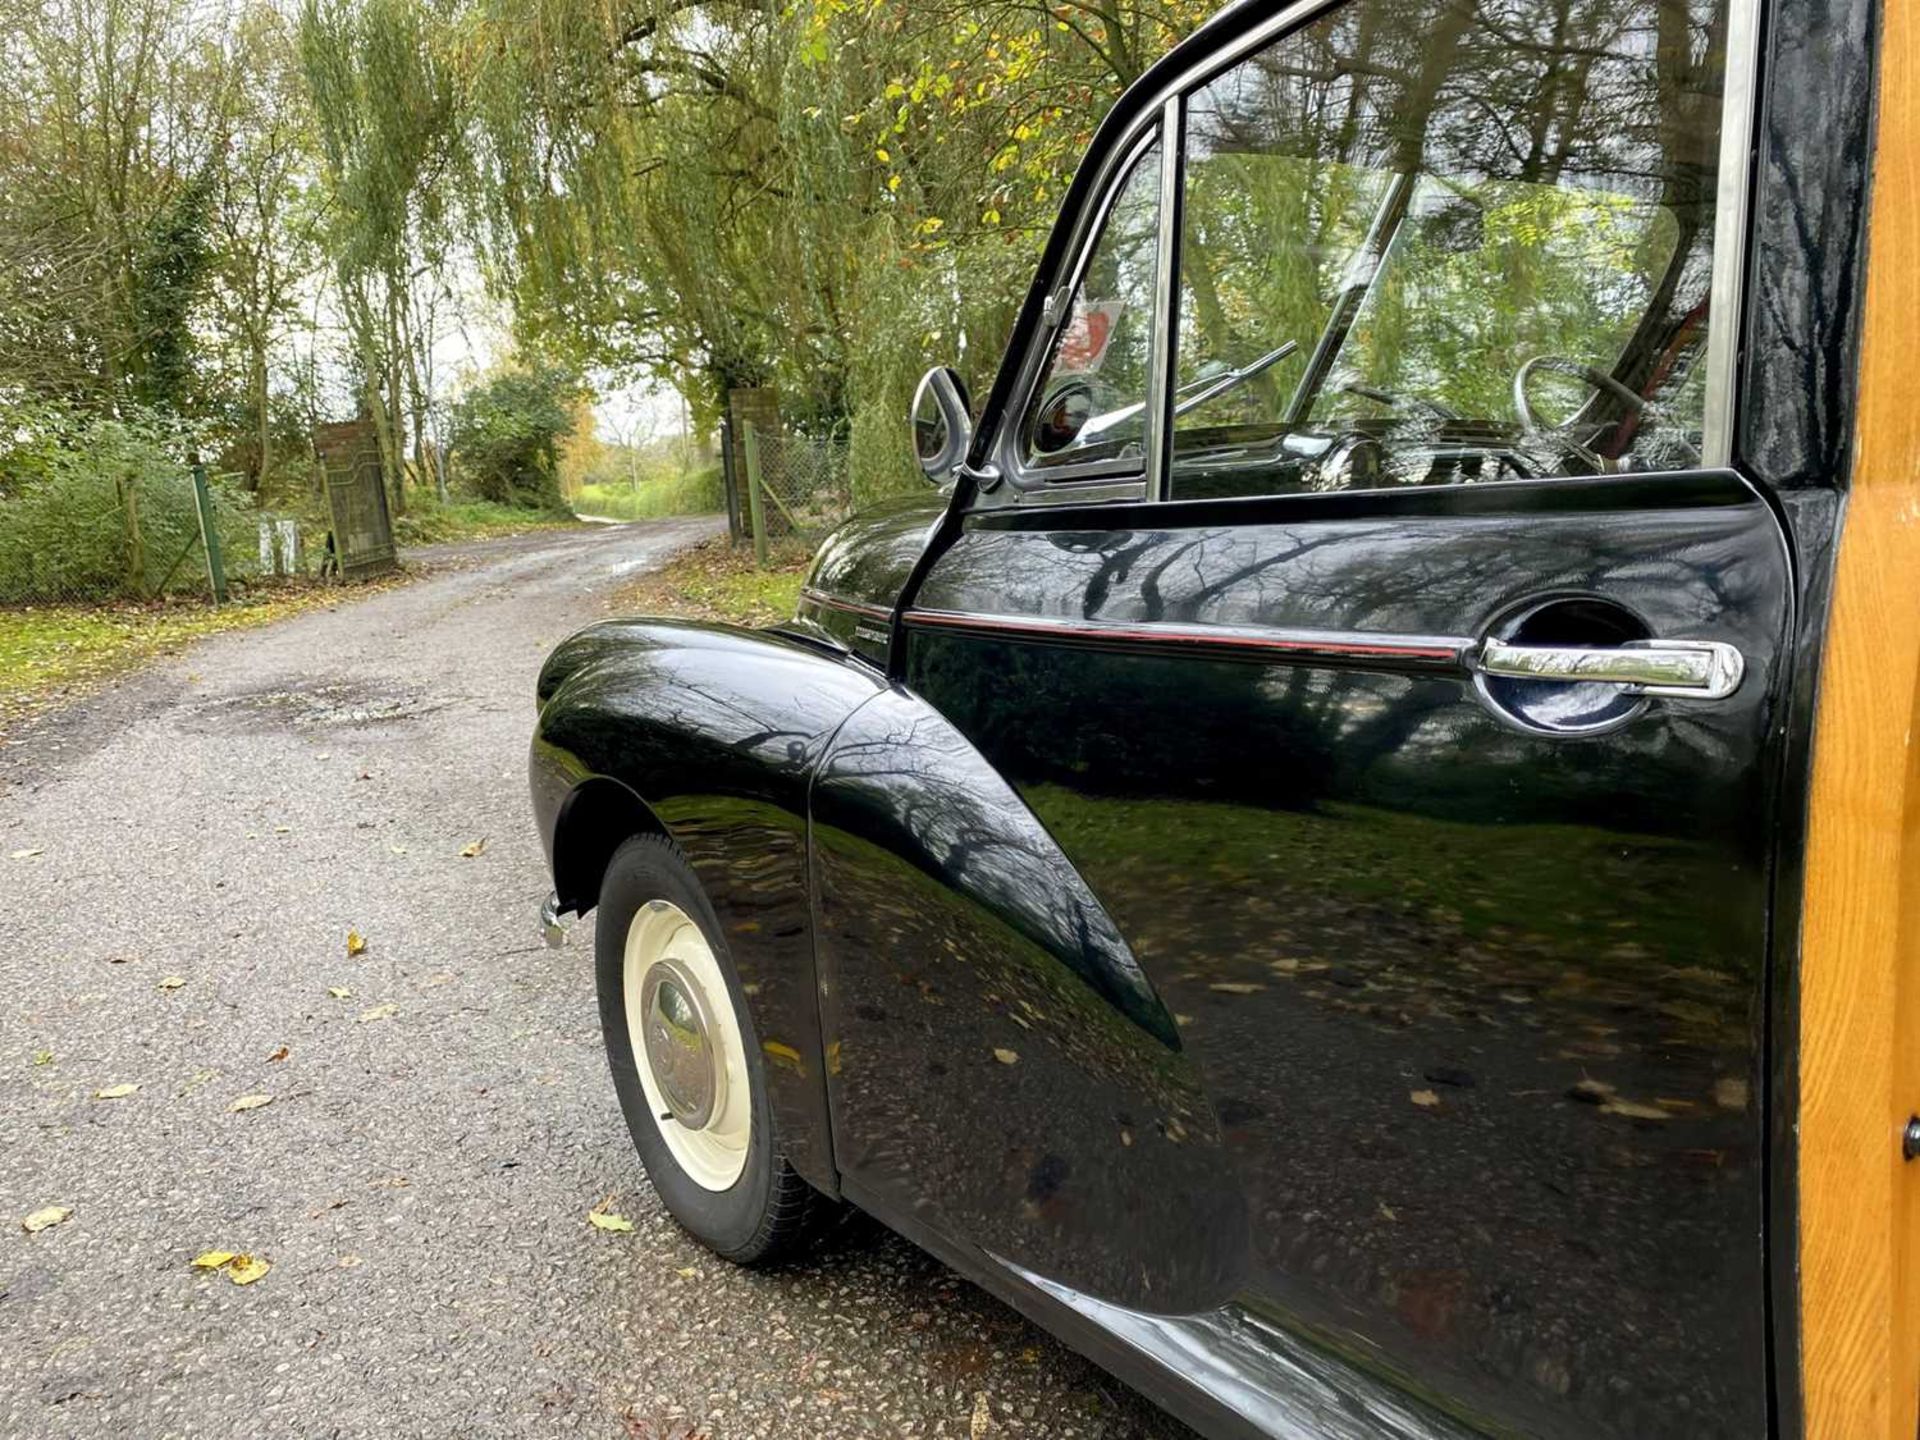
[(1441, 241), (1091, 404)]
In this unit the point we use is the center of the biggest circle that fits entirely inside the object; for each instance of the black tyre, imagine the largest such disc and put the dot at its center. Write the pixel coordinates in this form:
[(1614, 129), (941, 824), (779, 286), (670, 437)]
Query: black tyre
[(686, 1062)]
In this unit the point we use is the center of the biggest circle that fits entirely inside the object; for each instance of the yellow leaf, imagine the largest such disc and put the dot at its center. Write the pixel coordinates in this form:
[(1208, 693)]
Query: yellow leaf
[(356, 943), (41, 1219), (687, 1272), (1007, 1057), (213, 1259), (27, 854), (115, 1092), (244, 1269), (251, 1102), (339, 992), (379, 1012), (784, 1055), (473, 851), (172, 982), (1423, 1097), (1237, 987), (605, 1220), (43, 1057)]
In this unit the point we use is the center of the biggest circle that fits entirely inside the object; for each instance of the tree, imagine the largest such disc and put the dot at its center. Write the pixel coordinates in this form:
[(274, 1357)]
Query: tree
[(507, 431)]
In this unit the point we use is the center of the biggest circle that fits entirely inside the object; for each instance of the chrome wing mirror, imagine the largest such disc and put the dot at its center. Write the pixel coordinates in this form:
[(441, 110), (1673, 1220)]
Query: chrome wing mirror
[(942, 428)]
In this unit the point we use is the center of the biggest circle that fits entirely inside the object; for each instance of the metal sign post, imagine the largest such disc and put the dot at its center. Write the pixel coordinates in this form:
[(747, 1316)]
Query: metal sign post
[(209, 533)]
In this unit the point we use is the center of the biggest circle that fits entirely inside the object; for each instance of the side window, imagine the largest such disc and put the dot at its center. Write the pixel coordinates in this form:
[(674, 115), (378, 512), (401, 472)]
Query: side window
[(1433, 242), (1091, 402)]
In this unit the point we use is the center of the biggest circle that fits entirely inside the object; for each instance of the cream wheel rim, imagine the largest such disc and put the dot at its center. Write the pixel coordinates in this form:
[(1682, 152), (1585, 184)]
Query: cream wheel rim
[(687, 1045)]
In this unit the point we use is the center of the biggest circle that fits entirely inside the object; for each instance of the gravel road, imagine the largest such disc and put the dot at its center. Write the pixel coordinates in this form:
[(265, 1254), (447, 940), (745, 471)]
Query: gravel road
[(202, 839)]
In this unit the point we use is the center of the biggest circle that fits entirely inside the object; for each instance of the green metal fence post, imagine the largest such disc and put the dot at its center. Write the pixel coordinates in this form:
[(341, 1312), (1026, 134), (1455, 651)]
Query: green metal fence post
[(209, 533), (756, 507)]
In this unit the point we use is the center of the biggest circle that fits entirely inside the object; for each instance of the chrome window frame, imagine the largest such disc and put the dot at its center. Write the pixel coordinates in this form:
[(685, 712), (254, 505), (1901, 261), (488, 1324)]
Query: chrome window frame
[(1164, 117), (1095, 479)]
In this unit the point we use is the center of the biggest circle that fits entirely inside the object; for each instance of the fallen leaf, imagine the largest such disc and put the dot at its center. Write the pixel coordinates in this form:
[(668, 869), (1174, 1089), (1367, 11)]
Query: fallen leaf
[(356, 943), (398, 849), (42, 1219), (1634, 1110), (339, 992), (379, 1012), (115, 1092), (213, 1259), (1236, 987), (1007, 1057), (473, 851), (43, 1057), (1423, 1097), (279, 1054), (172, 982), (981, 1420), (27, 854), (1590, 1092), (245, 1269), (606, 1220), (251, 1102), (350, 1262), (686, 1272)]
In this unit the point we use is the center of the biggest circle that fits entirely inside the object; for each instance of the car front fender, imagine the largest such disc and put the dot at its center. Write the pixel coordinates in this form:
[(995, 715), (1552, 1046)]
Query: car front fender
[(708, 734)]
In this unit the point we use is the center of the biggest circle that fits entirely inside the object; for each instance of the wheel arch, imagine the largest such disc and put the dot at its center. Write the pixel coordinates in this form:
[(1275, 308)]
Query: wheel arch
[(709, 736), (599, 815)]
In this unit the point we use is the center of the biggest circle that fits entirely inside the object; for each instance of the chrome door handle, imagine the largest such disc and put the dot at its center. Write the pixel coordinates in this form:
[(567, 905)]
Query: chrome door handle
[(1683, 669)]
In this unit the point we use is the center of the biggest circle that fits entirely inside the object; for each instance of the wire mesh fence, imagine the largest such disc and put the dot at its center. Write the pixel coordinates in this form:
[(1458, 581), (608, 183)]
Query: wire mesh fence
[(797, 485), (91, 538)]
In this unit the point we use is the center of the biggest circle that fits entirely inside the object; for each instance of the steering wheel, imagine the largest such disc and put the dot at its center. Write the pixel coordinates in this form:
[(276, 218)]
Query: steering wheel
[(1598, 379), (1398, 401)]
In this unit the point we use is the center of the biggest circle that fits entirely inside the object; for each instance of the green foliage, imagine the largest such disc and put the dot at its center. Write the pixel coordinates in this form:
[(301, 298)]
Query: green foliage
[(506, 435), (95, 508), (432, 523), (696, 492)]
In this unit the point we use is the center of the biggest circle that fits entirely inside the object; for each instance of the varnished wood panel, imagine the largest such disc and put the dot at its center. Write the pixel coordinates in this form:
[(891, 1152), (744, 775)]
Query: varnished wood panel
[(1860, 943)]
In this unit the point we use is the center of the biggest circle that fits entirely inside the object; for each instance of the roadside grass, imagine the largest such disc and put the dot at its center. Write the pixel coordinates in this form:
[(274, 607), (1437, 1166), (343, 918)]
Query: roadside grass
[(55, 652), (697, 492), (716, 580), (428, 522)]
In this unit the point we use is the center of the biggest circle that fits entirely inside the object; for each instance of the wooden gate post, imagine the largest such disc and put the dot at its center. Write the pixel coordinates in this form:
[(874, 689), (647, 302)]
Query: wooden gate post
[(756, 506)]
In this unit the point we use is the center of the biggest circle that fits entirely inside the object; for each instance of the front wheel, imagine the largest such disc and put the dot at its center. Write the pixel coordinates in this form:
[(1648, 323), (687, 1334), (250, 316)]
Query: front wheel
[(686, 1066)]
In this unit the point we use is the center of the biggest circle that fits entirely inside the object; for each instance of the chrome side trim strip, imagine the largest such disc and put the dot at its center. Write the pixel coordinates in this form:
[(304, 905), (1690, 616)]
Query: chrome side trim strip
[(1333, 648), (1727, 290), (851, 607)]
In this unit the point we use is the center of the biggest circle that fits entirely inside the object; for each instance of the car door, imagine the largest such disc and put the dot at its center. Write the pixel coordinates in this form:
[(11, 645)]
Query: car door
[(1381, 655)]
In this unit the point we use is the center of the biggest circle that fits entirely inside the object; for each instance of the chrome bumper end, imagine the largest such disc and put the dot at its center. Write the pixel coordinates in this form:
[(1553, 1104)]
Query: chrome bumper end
[(551, 930)]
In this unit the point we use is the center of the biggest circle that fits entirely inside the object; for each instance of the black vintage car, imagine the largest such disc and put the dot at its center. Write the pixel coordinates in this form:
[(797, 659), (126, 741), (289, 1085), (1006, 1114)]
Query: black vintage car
[(1301, 860)]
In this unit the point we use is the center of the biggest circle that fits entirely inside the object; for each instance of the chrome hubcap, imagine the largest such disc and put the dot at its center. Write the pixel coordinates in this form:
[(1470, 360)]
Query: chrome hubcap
[(677, 1044)]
